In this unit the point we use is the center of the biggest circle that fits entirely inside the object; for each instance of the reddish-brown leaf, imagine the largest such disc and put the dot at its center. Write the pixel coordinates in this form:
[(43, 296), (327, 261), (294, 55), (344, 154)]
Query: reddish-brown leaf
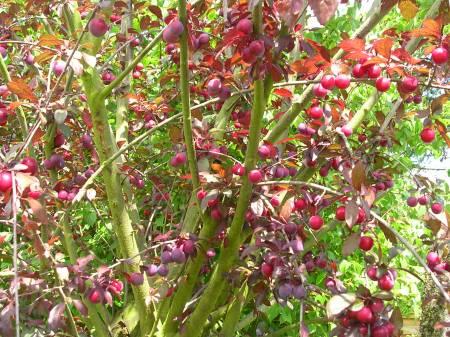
[(38, 210), (175, 134), (156, 10), (351, 213), (355, 55), (397, 320), (286, 210), (21, 89), (375, 60), (289, 11), (144, 22), (352, 45), (49, 40), (383, 47), (86, 116), (283, 92), (430, 28), (358, 175), (350, 244), (403, 55), (442, 131), (14, 105), (408, 9), (44, 56)]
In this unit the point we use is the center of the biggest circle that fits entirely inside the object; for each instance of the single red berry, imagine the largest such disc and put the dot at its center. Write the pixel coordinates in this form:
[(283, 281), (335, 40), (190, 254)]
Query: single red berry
[(31, 164), (342, 81), (216, 214), (324, 171), (114, 18), (374, 71), (409, 84), (382, 84), (264, 151), (417, 99), (380, 331), (245, 26), (214, 86), (98, 27), (340, 213), (366, 243), (255, 176), (275, 202), (358, 71), (439, 55), (361, 216), (365, 315), (436, 208), (58, 67), (362, 138), (412, 201), (346, 130), (319, 90), (248, 56), (315, 222), (201, 195), (136, 74), (5, 181), (433, 259), (266, 269), (257, 48), (316, 112), (238, 169), (300, 204), (363, 330), (427, 135), (372, 273), (423, 199), (377, 306), (386, 282), (95, 295), (328, 82)]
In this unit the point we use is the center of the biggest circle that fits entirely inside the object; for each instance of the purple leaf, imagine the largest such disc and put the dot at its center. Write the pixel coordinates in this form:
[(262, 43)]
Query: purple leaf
[(80, 307), (55, 316), (323, 9)]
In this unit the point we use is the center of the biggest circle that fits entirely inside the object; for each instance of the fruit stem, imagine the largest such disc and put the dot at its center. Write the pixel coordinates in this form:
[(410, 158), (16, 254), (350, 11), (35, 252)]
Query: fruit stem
[(106, 91)]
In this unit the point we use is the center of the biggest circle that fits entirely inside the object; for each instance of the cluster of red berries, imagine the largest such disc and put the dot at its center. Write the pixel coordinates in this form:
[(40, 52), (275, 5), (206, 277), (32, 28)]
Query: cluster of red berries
[(436, 207), (372, 316)]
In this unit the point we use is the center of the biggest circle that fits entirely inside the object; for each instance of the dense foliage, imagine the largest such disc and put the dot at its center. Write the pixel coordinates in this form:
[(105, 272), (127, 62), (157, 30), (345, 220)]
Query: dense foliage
[(224, 168)]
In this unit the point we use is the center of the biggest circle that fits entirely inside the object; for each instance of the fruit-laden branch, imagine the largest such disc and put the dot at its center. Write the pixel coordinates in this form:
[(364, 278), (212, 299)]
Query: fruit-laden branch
[(122, 222), (185, 99), (106, 91), (306, 96), (416, 255), (229, 251), (38, 123), (377, 217), (21, 115), (357, 119)]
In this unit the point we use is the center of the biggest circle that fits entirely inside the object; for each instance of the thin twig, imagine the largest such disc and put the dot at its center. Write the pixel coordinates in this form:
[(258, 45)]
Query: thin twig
[(52, 91), (16, 277)]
